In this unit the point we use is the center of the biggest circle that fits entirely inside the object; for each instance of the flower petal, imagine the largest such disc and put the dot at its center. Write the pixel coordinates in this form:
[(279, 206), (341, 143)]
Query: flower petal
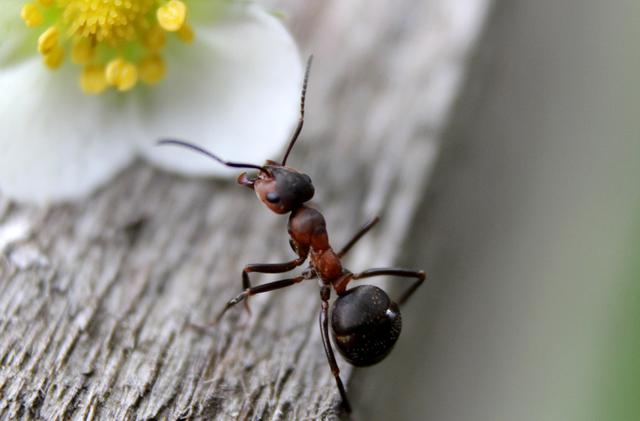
[(14, 35), (235, 91), (57, 143)]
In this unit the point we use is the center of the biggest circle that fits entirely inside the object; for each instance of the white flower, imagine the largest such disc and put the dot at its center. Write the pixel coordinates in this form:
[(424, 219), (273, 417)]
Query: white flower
[(223, 75)]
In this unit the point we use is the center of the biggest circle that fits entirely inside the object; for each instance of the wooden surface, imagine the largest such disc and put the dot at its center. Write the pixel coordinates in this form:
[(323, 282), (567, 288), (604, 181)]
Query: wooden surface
[(96, 297)]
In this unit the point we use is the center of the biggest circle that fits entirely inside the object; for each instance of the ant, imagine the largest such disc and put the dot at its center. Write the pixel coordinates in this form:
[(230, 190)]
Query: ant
[(364, 320)]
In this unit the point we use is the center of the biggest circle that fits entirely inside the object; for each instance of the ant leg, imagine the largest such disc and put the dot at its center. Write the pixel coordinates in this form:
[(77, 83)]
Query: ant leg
[(271, 286), (358, 236), (404, 273), (325, 292), (267, 268)]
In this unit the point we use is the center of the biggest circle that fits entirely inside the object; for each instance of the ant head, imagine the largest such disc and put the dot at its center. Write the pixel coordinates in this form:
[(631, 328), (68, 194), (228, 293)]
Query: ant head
[(281, 189)]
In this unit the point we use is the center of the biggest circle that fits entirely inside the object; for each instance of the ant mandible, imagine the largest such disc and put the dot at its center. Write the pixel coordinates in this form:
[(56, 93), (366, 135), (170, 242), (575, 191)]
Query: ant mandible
[(364, 320)]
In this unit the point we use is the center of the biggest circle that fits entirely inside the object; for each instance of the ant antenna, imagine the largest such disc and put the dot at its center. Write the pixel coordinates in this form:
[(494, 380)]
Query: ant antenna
[(301, 121), (209, 154)]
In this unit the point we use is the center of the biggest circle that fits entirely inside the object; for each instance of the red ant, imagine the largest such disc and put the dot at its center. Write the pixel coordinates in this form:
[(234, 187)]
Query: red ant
[(364, 321)]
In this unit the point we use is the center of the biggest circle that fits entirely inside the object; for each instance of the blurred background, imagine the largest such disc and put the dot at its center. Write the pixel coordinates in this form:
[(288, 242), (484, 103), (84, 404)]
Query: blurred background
[(530, 232)]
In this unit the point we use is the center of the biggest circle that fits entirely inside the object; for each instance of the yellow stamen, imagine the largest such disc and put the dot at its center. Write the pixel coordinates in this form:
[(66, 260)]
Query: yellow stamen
[(121, 74), (172, 15), (53, 59), (186, 33), (112, 71), (116, 42), (93, 79), (82, 51), (152, 69), (31, 15), (128, 77), (155, 39), (48, 40)]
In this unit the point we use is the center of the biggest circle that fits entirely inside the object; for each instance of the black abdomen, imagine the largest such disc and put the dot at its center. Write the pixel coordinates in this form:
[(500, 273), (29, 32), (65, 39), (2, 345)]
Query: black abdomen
[(365, 324)]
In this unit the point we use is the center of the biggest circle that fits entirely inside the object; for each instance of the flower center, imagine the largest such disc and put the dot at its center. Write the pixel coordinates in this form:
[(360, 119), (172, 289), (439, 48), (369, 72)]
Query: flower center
[(116, 42)]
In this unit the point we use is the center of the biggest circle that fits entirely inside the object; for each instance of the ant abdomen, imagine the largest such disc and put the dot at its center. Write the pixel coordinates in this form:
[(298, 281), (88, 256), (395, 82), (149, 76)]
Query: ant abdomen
[(365, 324)]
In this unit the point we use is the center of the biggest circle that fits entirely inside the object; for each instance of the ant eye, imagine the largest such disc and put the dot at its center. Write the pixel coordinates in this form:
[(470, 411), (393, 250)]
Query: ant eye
[(307, 178), (273, 197)]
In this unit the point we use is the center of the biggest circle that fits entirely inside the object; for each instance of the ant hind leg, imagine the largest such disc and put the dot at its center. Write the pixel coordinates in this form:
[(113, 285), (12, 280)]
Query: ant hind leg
[(325, 292), (403, 273)]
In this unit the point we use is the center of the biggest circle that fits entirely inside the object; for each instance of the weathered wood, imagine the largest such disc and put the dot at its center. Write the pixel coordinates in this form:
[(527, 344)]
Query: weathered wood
[(96, 297)]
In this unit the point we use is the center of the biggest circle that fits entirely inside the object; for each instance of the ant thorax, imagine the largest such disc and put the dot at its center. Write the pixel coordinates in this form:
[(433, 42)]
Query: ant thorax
[(308, 231)]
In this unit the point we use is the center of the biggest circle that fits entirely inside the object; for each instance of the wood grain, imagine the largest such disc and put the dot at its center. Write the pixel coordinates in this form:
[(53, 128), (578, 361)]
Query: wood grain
[(96, 297)]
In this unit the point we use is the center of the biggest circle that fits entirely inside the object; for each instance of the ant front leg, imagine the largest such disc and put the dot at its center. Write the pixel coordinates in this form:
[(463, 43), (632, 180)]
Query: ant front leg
[(325, 293), (267, 268), (403, 273), (271, 286)]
